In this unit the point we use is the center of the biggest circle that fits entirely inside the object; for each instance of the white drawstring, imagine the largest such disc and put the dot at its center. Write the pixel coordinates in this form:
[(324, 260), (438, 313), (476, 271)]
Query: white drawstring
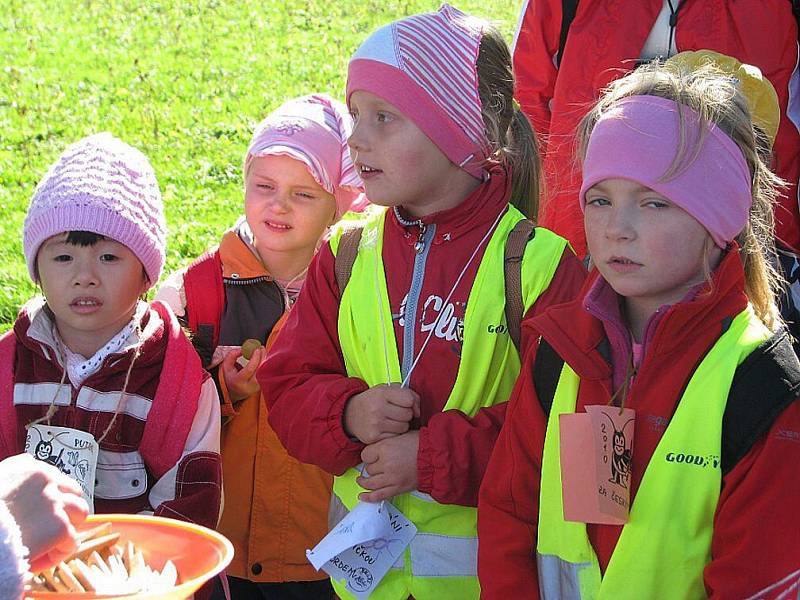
[(447, 299)]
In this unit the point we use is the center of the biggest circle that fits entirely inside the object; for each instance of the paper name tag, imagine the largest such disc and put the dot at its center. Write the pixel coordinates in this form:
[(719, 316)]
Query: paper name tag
[(596, 450), (71, 451), (363, 546)]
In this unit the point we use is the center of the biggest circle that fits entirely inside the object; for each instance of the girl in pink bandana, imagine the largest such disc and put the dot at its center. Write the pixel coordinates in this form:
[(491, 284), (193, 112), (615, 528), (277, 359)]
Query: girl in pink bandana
[(298, 181), (393, 369), (676, 329)]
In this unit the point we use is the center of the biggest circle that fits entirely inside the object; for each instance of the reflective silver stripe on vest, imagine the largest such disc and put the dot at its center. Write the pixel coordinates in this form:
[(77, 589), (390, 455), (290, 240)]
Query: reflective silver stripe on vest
[(558, 579), (422, 496), (434, 555)]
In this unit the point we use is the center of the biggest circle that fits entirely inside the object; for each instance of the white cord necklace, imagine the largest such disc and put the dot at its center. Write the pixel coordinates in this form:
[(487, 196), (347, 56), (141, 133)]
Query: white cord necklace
[(449, 295)]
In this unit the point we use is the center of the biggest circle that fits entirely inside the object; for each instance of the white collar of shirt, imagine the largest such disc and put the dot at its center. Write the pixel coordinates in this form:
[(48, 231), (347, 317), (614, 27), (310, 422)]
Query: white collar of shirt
[(79, 368)]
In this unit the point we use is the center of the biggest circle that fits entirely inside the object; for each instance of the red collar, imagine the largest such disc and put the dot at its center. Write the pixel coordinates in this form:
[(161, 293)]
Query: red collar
[(580, 337), (477, 210)]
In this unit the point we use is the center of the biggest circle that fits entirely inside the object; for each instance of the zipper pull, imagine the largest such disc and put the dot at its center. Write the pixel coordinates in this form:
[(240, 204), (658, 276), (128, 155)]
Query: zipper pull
[(419, 246)]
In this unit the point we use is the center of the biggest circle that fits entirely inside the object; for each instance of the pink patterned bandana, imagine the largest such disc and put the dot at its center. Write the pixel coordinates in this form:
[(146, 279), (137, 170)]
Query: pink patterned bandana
[(314, 130)]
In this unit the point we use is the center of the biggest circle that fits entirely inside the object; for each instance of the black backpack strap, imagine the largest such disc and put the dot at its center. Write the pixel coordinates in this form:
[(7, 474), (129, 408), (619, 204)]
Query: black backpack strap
[(517, 241), (764, 385), (346, 256), (568, 10), (204, 289), (546, 371), (766, 382)]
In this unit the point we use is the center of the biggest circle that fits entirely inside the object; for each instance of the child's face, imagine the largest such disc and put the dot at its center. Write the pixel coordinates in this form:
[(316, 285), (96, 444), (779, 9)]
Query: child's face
[(92, 290), (650, 250), (399, 164), (287, 210)]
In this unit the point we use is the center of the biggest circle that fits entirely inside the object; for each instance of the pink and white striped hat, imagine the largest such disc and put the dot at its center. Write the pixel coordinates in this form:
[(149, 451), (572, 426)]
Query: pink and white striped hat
[(314, 130), (425, 66)]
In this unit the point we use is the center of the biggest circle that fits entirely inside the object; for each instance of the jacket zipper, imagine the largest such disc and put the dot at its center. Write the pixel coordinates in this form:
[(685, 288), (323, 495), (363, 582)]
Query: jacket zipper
[(422, 247), (246, 281)]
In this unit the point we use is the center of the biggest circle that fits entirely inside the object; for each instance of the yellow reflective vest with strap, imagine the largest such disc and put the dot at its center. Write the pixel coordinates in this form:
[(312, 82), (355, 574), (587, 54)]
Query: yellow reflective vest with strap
[(441, 561), (666, 543)]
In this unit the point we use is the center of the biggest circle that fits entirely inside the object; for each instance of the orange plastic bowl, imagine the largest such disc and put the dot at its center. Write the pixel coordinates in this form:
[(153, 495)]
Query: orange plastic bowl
[(198, 553)]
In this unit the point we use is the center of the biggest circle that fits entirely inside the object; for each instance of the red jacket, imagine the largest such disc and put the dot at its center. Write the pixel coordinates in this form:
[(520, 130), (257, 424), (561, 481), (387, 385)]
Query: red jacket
[(756, 539), (604, 42), (162, 454), (306, 375)]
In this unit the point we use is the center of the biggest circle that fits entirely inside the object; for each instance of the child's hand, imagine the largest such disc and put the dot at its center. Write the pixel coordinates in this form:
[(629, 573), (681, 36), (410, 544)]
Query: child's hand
[(242, 383), (381, 412), (46, 504), (392, 467)]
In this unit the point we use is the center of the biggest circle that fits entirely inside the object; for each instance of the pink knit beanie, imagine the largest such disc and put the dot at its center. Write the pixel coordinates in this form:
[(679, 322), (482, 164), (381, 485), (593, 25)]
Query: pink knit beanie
[(103, 185), (314, 130), (425, 66)]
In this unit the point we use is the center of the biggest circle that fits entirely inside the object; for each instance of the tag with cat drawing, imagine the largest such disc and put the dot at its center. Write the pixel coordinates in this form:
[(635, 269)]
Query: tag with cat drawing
[(613, 435), (596, 449), (71, 451)]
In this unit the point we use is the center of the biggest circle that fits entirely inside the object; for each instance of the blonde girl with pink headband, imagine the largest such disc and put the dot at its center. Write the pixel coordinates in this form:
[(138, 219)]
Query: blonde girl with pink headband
[(394, 377), (298, 181), (651, 445)]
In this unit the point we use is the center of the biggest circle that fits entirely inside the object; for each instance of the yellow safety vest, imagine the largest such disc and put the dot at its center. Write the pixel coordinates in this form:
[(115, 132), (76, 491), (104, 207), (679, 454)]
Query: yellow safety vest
[(666, 543), (441, 561)]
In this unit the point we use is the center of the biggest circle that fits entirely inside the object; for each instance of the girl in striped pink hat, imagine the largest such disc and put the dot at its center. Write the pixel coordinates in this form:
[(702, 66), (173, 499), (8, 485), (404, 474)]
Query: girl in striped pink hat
[(393, 370), (298, 181)]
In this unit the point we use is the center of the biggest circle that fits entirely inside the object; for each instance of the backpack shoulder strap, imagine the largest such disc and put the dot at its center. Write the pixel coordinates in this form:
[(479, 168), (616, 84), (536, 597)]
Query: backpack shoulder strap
[(205, 300), (764, 385), (346, 256), (568, 10), (517, 241), (546, 371), (766, 382), (175, 404), (8, 414)]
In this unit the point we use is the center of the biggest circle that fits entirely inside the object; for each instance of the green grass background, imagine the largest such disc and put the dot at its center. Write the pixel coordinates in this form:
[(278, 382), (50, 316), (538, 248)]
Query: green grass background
[(183, 82)]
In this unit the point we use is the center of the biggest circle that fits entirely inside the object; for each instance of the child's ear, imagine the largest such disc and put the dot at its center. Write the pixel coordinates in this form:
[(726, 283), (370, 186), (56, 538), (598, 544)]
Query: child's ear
[(145, 285)]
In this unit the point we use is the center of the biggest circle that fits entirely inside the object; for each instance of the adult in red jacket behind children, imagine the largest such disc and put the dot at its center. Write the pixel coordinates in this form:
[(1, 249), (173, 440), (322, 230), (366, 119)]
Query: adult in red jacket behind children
[(606, 39)]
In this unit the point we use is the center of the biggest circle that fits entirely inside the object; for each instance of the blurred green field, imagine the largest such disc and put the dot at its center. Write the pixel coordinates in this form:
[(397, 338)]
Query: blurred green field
[(184, 82)]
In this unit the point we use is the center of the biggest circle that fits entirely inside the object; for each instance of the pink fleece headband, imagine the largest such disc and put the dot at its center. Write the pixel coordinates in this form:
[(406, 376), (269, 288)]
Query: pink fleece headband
[(425, 66), (637, 140), (314, 130)]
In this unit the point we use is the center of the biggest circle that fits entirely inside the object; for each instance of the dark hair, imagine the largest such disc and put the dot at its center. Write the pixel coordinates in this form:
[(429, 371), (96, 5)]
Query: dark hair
[(507, 128), (83, 238), (80, 238)]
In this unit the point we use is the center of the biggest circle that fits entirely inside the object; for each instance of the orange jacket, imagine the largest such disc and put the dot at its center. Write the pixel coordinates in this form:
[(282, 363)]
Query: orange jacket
[(275, 507)]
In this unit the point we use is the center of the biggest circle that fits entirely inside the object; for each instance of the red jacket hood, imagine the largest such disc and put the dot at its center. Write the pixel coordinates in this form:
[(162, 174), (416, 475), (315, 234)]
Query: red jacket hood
[(578, 337)]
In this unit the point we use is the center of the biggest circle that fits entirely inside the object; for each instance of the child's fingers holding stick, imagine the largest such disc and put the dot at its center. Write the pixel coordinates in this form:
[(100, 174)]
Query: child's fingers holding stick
[(380, 412), (45, 503), (391, 467)]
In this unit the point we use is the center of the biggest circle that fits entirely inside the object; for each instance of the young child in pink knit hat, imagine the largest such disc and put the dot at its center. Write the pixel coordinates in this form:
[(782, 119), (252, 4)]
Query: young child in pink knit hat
[(395, 379), (83, 382), (298, 181)]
